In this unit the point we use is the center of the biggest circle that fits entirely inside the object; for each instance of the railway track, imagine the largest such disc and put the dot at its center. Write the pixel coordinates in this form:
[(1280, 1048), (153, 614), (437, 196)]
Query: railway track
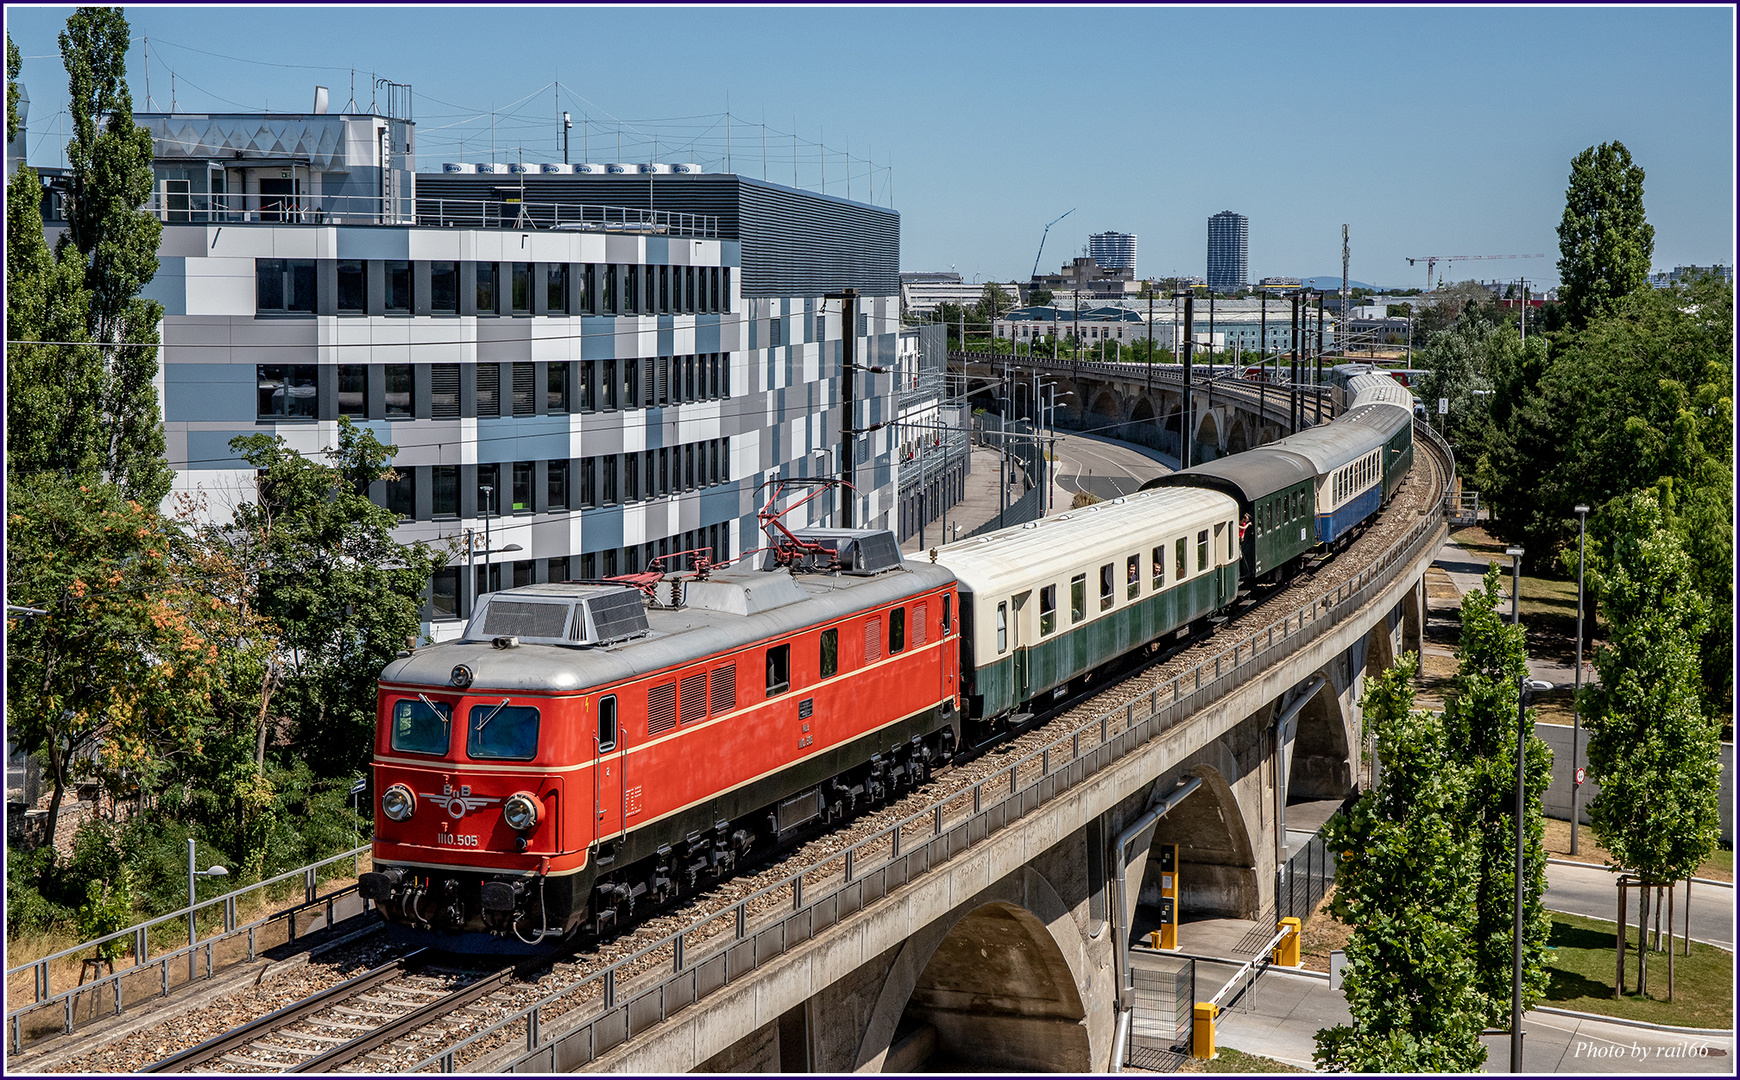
[(407, 1020)]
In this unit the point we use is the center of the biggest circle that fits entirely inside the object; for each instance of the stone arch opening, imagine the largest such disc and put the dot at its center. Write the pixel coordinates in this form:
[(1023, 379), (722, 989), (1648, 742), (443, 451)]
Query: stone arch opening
[(1217, 866), (1143, 410), (1322, 767), (1237, 441), (1105, 405), (1380, 652), (1169, 432), (997, 995), (1208, 438)]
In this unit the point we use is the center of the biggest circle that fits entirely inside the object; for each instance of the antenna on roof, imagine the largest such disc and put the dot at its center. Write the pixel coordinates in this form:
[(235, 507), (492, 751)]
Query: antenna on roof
[(351, 106)]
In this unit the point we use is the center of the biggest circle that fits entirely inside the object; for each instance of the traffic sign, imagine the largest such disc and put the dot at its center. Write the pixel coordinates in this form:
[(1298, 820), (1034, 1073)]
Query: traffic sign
[(359, 787), (1443, 406), (1579, 777)]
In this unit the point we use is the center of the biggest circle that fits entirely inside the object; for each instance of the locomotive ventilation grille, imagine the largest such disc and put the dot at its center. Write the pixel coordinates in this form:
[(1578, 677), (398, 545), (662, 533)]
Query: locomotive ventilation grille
[(862, 552), (560, 614)]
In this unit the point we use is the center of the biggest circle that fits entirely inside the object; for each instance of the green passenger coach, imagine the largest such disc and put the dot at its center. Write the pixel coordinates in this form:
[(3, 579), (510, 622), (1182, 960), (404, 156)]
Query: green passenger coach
[(1048, 602), (1276, 494)]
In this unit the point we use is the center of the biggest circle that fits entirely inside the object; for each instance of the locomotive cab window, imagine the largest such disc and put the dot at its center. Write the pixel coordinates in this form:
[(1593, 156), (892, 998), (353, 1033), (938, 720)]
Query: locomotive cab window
[(830, 652), (502, 732), (896, 630), (607, 723), (1047, 609), (948, 619), (778, 669), (419, 726)]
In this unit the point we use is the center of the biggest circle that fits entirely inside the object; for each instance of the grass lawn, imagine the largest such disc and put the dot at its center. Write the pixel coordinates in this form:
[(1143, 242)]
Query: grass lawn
[(1556, 837), (1581, 972), (1228, 1060), (1549, 605)]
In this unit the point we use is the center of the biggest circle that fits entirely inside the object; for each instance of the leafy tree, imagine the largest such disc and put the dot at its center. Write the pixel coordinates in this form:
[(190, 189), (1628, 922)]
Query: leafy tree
[(1481, 717), (327, 571), (1405, 883), (993, 301), (1605, 243), (109, 160), (14, 64), (1039, 297), (1654, 752)]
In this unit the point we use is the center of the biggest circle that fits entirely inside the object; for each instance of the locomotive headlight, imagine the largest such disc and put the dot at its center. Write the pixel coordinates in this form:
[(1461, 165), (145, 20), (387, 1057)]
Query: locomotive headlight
[(521, 812), (398, 803)]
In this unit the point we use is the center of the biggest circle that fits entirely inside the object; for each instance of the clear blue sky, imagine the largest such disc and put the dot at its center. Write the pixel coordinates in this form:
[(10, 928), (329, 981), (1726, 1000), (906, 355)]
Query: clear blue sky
[(1430, 131)]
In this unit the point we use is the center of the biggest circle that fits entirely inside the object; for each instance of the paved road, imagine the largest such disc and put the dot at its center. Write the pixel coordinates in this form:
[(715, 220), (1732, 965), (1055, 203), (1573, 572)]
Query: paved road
[(1280, 1018), (1106, 468), (1590, 891)]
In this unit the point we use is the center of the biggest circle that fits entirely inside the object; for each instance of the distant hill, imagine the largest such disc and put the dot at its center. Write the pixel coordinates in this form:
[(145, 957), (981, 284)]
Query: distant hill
[(1333, 284)]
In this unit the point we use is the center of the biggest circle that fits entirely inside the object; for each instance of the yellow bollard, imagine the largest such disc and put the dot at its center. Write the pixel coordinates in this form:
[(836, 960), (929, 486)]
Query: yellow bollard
[(1287, 953), (1202, 1031), (1154, 939)]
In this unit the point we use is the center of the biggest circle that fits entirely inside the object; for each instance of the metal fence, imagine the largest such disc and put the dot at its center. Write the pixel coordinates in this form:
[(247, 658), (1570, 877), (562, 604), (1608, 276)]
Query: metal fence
[(201, 208), (152, 974), (1308, 876), (1162, 999), (572, 1025)]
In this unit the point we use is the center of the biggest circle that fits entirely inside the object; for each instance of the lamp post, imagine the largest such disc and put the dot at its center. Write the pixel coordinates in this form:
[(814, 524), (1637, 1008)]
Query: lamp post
[(1581, 510), (1515, 554), (193, 898), (1525, 687)]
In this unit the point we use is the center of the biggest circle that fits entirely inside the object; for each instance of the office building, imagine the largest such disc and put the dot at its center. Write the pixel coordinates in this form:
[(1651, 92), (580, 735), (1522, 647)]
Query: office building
[(1229, 245), (1114, 250)]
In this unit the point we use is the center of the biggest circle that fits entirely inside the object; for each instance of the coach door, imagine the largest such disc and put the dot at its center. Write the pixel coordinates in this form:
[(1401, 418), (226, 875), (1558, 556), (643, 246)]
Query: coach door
[(1023, 668), (611, 744)]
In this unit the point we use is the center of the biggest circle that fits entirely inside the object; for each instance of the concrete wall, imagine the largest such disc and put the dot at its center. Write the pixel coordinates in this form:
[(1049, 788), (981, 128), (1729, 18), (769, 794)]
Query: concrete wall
[(1558, 798)]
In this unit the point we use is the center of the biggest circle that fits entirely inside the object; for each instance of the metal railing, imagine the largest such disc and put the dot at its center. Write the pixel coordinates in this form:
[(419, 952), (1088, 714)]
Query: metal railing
[(111, 994), (599, 1012), (200, 208)]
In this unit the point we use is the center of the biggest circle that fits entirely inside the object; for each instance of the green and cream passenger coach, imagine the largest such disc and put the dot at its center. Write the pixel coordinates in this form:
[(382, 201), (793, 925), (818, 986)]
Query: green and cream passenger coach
[(1050, 601)]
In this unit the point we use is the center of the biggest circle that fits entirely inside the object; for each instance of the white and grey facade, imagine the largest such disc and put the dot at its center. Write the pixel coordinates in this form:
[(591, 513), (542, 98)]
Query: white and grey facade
[(1229, 244), (1113, 250), (600, 390)]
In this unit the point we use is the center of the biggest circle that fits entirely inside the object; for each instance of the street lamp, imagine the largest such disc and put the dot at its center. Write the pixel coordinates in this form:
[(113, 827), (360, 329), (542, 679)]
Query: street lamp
[(1515, 554), (1581, 510), (1525, 687), (193, 898)]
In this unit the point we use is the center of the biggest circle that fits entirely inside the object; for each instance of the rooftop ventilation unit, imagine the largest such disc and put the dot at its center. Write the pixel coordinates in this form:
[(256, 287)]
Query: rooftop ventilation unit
[(687, 168), (558, 167), (617, 168), (589, 169), (464, 168), (655, 167), (560, 614), (492, 167), (521, 167), (862, 552)]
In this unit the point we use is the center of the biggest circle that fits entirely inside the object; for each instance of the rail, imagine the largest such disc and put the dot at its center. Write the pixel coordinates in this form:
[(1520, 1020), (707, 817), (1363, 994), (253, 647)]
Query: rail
[(988, 806), (199, 208), (109, 990)]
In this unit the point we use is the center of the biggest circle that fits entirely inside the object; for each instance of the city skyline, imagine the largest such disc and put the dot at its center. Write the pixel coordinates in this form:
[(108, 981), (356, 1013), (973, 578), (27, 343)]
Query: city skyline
[(1472, 160)]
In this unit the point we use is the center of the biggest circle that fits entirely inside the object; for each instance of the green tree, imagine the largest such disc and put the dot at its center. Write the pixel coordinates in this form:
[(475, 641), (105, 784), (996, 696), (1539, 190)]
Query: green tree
[(1481, 717), (1605, 243), (1038, 297), (994, 301), (1652, 749), (1405, 884), (109, 160), (14, 64), (327, 572)]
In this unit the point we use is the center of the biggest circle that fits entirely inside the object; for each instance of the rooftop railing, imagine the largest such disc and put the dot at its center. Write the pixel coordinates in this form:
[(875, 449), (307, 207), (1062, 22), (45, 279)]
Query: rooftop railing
[(198, 208)]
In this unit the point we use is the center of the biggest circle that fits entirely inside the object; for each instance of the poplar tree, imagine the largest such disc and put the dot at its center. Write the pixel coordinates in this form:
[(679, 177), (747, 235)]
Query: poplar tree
[(1405, 883), (1480, 714), (1605, 243), (1654, 752)]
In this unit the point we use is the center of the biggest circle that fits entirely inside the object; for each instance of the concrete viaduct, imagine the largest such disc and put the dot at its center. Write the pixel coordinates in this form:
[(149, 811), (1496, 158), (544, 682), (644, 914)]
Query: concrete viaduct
[(982, 934)]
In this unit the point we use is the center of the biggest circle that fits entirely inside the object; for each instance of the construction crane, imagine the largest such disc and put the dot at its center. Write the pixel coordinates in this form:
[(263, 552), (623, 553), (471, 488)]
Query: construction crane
[(1042, 236), (1432, 261)]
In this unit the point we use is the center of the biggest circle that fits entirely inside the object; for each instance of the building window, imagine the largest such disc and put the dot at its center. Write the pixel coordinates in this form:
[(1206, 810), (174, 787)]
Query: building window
[(521, 288), (286, 391), (353, 385), (488, 489), (610, 289), (588, 482), (402, 493), (444, 594), (559, 569), (664, 289), (714, 275), (633, 290), (398, 391), (589, 567), (444, 391), (588, 283), (525, 391), (398, 287), (444, 288), (631, 392), (522, 503), (588, 386), (556, 288), (487, 273), (558, 485), (607, 470), (352, 287), (523, 573), (489, 389), (630, 477), (689, 467), (773, 328), (556, 387), (444, 491), (284, 286)]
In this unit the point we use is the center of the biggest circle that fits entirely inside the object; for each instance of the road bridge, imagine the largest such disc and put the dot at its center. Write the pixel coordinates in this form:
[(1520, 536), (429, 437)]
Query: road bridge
[(980, 932)]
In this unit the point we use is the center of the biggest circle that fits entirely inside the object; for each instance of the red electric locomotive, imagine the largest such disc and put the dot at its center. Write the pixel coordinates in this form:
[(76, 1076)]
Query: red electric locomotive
[(585, 748)]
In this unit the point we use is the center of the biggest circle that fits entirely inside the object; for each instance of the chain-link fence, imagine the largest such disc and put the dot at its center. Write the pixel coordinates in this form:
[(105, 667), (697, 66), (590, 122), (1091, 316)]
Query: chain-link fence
[(1162, 995)]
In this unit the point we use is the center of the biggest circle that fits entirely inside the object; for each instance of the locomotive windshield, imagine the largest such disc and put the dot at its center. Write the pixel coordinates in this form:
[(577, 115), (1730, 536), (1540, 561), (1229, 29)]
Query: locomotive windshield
[(420, 725), (503, 732)]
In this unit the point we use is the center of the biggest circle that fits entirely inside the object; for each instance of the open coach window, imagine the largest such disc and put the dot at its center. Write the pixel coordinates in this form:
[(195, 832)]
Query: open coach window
[(420, 725)]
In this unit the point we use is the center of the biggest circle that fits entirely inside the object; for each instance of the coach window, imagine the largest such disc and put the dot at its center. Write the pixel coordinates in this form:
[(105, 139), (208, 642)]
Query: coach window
[(1108, 587), (1002, 626), (830, 652), (1133, 576), (420, 725), (1047, 610), (1158, 555), (1077, 598), (502, 732), (778, 669), (607, 721), (896, 630), (1180, 563), (1202, 550), (1231, 541)]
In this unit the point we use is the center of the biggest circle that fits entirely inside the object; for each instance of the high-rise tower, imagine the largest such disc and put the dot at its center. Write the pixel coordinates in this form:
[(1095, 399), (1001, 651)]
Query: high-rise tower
[(1113, 250), (1228, 250)]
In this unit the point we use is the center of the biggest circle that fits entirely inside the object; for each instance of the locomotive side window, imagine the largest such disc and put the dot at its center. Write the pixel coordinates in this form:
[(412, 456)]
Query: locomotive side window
[(948, 615), (896, 630), (1077, 598), (607, 723), (1002, 626), (1047, 609), (1159, 557), (778, 669), (830, 651), (505, 732), (419, 728)]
